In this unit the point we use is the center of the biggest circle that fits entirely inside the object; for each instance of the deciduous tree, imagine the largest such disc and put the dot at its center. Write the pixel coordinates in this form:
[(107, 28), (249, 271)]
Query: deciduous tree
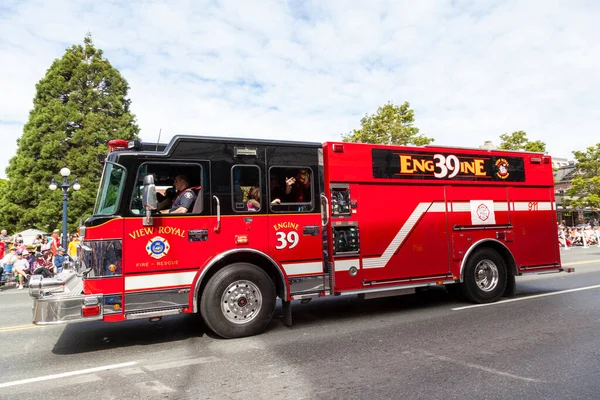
[(79, 105), (585, 185), (518, 141), (391, 124)]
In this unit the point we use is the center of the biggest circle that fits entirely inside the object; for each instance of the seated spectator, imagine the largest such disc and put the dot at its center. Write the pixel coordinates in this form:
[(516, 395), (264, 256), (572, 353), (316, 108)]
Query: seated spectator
[(29, 258), (567, 237), (578, 240), (562, 242), (19, 245), (589, 235), (8, 261), (46, 245), (38, 242), (43, 265), (60, 258), (21, 269)]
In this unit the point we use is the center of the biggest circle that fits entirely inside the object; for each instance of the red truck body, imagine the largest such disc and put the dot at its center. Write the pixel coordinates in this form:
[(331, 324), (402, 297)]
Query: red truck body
[(367, 219)]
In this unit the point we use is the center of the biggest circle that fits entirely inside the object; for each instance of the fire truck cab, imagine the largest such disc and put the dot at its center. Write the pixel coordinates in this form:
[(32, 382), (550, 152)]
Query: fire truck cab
[(252, 221)]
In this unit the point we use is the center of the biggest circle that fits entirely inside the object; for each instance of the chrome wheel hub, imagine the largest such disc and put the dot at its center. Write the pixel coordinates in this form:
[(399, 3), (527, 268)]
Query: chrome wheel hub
[(241, 302), (486, 275)]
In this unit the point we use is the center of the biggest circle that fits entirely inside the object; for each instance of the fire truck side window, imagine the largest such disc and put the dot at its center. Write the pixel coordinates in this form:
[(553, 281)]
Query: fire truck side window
[(164, 177), (246, 187), (290, 189)]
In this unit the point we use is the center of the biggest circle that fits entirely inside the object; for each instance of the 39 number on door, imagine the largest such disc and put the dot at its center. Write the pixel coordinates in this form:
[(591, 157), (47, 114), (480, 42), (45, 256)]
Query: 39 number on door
[(289, 240)]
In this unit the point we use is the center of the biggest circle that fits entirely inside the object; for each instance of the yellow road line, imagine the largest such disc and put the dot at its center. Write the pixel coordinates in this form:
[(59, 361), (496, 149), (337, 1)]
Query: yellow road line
[(580, 263), (18, 328)]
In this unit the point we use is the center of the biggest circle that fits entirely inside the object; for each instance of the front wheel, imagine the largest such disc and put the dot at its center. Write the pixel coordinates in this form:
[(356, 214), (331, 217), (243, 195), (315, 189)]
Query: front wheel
[(484, 277), (238, 301)]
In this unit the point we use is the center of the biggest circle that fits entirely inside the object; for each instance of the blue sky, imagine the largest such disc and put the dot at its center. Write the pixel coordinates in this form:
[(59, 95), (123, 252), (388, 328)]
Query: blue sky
[(310, 70)]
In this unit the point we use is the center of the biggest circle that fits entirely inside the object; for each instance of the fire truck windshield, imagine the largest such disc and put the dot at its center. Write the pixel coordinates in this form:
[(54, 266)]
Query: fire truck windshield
[(111, 187)]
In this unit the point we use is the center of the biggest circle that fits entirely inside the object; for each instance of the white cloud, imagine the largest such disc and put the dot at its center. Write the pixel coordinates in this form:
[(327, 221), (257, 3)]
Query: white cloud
[(310, 70)]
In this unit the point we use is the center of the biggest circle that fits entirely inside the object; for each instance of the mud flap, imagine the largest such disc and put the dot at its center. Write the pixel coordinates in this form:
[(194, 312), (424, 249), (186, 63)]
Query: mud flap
[(511, 286), (286, 307)]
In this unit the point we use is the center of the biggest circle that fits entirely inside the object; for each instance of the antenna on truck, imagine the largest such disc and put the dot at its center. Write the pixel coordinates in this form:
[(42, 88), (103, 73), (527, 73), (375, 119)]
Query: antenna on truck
[(158, 141)]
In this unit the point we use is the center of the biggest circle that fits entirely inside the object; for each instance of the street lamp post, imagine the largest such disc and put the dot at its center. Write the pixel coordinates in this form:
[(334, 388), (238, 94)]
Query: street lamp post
[(65, 185)]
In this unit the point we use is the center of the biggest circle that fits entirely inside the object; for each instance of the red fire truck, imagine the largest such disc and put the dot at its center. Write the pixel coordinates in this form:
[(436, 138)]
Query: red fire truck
[(292, 220)]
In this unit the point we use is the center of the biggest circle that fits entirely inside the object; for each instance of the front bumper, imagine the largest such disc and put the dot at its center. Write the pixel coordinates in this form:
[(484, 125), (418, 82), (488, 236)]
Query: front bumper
[(60, 300)]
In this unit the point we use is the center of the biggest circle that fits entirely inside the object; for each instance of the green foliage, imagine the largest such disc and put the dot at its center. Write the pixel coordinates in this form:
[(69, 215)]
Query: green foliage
[(518, 141), (79, 105), (585, 185), (391, 124)]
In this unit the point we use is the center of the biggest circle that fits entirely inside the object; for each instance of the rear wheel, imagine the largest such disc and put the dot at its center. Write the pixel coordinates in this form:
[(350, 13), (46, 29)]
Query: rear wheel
[(484, 277), (238, 301)]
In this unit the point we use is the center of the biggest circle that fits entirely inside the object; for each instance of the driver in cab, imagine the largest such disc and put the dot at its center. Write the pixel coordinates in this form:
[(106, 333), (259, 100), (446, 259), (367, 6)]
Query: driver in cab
[(185, 197)]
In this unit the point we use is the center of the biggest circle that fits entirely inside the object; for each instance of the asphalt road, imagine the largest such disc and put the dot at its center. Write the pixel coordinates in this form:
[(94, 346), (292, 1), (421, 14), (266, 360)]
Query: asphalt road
[(543, 344)]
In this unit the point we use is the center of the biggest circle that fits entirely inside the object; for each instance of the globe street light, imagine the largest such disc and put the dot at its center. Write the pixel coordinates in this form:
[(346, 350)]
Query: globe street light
[(65, 185)]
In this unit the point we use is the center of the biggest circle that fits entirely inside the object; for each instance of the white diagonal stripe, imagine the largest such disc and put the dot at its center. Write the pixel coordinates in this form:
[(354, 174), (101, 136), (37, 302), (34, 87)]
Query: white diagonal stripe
[(159, 280), (380, 262)]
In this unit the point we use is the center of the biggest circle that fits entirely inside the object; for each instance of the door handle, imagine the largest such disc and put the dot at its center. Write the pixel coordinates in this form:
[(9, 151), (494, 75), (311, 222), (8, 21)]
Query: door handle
[(310, 230), (324, 210), (218, 227)]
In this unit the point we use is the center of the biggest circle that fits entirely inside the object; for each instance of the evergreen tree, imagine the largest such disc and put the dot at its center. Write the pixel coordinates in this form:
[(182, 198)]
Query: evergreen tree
[(391, 124), (79, 105)]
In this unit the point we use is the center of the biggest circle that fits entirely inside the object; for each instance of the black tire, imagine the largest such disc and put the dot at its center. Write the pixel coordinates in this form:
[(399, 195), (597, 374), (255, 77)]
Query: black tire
[(233, 316), (484, 277)]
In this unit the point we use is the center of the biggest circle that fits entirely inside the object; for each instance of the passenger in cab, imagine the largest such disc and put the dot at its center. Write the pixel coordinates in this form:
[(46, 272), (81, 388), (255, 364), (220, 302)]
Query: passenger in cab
[(253, 202)]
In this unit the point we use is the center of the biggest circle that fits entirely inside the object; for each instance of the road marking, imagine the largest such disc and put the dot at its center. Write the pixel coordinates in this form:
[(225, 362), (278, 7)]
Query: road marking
[(155, 387), (18, 328), (535, 296), (67, 374), (181, 363), (477, 366), (132, 371), (581, 262)]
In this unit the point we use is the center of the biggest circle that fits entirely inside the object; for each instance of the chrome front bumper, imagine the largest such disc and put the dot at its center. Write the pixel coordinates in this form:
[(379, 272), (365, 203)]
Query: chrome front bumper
[(60, 300)]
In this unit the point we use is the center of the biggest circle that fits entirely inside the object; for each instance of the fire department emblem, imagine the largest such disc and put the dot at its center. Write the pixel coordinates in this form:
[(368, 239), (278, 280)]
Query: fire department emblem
[(502, 168), (483, 213), (157, 247)]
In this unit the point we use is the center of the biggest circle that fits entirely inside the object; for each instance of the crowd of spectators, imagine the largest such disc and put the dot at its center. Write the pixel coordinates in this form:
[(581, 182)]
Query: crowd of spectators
[(586, 234), (44, 256)]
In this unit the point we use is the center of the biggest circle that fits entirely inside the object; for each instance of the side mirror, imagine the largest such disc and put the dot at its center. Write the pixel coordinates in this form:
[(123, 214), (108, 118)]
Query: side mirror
[(149, 199)]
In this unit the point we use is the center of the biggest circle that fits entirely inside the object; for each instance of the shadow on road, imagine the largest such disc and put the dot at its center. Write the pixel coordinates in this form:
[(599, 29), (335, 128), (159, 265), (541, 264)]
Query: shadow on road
[(98, 336), (348, 308)]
